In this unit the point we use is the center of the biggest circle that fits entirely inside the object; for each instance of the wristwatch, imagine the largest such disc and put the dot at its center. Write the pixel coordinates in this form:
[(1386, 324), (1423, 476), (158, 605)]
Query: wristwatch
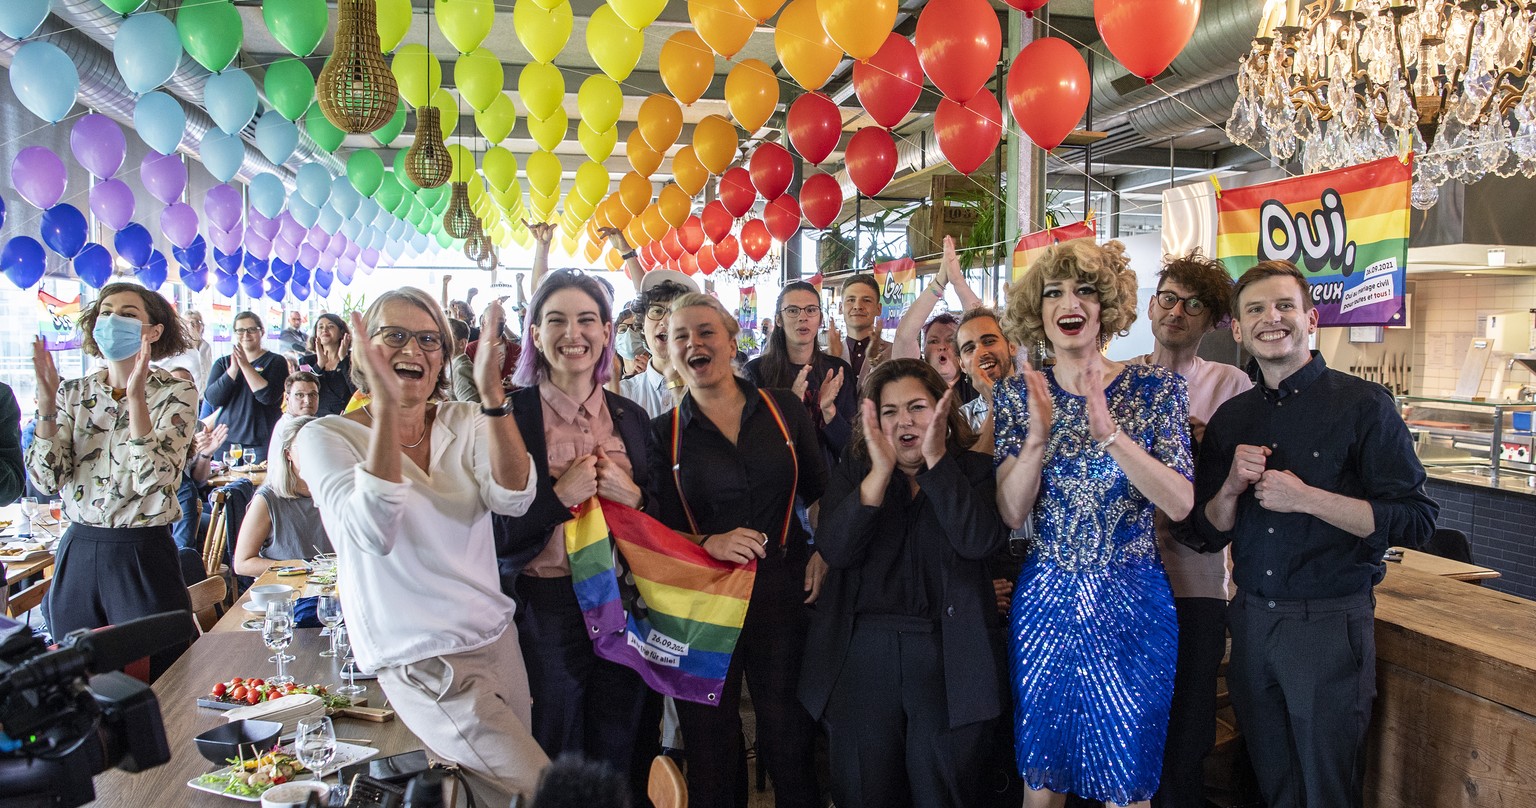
[(497, 412), (628, 255)]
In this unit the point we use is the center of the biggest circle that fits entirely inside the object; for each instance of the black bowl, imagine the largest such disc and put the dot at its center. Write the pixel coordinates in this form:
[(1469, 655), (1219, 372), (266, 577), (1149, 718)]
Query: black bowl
[(246, 739)]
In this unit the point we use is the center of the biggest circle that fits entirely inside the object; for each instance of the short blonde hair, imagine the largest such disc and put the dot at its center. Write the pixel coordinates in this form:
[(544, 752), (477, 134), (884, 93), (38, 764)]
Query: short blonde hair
[(699, 299), (282, 478), (420, 300), (1106, 267)]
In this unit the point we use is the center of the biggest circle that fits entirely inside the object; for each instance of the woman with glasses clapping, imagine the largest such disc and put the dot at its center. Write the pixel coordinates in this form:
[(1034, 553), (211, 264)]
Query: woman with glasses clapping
[(247, 387)]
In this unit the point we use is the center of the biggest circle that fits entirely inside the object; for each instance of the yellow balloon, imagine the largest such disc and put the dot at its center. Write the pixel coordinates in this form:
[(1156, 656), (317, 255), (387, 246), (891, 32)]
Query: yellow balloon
[(549, 132), (715, 141), (417, 73), (722, 24), (689, 174), (751, 93), (447, 111), (638, 14), (859, 27), (500, 167), (591, 181), (548, 5), (618, 215), (673, 204), (543, 170), (687, 65), (522, 237), (466, 23), (614, 45), (479, 78), (597, 145), (578, 206), (543, 32), (463, 162), (634, 192), (568, 243), (660, 120), (542, 88), (760, 10), (510, 200), (543, 207), (496, 121), (803, 46), (642, 158), (600, 100), (394, 18)]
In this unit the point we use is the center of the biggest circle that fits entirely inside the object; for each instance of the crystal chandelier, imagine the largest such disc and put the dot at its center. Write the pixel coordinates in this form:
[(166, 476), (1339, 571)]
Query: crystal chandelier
[(746, 272), (1344, 82)]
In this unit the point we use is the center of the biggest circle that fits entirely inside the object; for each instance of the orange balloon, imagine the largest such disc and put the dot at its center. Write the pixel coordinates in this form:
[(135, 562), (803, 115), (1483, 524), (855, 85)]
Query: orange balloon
[(660, 120), (760, 10), (651, 220), (674, 205), (715, 141), (803, 46), (618, 215), (592, 252), (857, 26), (687, 66), (612, 260), (642, 158), (600, 214), (636, 235), (722, 25), (634, 192), (689, 174), (751, 93)]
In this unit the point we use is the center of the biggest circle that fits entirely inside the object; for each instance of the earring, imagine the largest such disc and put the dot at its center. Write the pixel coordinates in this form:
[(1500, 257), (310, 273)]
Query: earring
[(1040, 352)]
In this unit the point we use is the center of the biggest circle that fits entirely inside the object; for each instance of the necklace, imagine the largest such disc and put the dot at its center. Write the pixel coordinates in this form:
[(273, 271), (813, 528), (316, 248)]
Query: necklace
[(424, 430)]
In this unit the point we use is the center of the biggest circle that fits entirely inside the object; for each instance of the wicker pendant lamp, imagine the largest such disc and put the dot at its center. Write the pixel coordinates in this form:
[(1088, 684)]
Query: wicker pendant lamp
[(356, 90), (458, 220), (427, 161)]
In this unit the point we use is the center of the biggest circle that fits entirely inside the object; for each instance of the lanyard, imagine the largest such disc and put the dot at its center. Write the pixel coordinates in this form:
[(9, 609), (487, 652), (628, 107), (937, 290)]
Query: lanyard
[(794, 457)]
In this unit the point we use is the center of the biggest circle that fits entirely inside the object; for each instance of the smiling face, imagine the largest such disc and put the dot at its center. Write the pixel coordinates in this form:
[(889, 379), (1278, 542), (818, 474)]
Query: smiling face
[(985, 354), (571, 333), (418, 369), (1178, 328), (1069, 309), (248, 334), (701, 347), (1273, 323), (800, 317), (302, 398), (195, 324), (906, 409), (326, 332), (939, 351), (861, 303)]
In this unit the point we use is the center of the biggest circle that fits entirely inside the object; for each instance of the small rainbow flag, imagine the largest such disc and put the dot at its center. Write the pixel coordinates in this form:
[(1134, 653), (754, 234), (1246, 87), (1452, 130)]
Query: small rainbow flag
[(899, 281), (221, 319), (56, 322), (1033, 245), (655, 601)]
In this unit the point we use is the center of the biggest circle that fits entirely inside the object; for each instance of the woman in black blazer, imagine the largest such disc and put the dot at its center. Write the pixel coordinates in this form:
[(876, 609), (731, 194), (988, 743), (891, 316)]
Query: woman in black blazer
[(899, 664)]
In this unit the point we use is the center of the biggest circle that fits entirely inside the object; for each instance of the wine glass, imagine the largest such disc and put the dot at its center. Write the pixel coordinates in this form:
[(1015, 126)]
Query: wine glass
[(315, 744), (328, 609), (349, 666), (29, 509), (236, 451), (277, 632), (56, 510)]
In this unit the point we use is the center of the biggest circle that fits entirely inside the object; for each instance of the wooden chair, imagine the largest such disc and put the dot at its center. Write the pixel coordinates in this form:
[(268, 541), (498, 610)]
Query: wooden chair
[(666, 786), (207, 597), (27, 599)]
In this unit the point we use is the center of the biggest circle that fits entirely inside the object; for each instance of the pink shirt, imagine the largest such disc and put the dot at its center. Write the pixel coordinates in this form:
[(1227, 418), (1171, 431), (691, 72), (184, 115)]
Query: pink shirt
[(572, 430)]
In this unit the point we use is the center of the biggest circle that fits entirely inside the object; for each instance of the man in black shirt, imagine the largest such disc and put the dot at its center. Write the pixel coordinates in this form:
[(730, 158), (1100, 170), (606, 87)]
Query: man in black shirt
[(1310, 476)]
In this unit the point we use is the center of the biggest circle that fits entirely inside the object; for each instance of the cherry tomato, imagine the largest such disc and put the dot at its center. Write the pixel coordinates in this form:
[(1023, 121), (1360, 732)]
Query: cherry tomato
[(239, 693), (220, 689), (237, 680), (254, 697), (256, 682)]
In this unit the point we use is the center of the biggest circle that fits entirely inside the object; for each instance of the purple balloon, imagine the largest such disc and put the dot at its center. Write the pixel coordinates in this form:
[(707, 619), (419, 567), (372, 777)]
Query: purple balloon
[(223, 206), (261, 224), (94, 265), (337, 246), (112, 202), (178, 223), (225, 240), (257, 246), (39, 176), (352, 251), (290, 230), (308, 255), (370, 258), (163, 175), (319, 238), (98, 144), (285, 251), (326, 262)]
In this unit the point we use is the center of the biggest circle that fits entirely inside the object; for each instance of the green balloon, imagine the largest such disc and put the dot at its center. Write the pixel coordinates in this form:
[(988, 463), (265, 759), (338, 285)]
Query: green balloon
[(444, 240), (406, 183), (389, 193), (428, 196), (322, 130), (123, 7), (290, 87), (366, 171), (386, 134), (297, 25), (441, 203), (210, 32)]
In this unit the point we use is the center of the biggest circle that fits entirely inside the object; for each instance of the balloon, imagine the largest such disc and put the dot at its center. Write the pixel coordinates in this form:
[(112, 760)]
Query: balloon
[(290, 88), (447, 111), (497, 120), (1048, 88), (276, 137), (543, 32), (160, 121), (366, 171), (673, 204), (642, 158), (268, 196), (466, 23), (98, 144), (23, 258), (691, 234), (112, 202), (814, 126), (147, 51), (418, 74), (726, 251), (44, 79), (227, 284), (297, 25), (210, 32), (634, 192), (94, 265), (859, 27), (714, 142), (671, 245), (689, 174), (64, 230), (820, 200), (716, 221), (543, 171), (39, 176), (782, 217), (19, 18), (968, 134), (687, 66), (888, 85), (164, 176), (756, 241), (386, 134), (230, 99), (322, 131), (660, 120), (735, 191), (314, 183), (223, 206), (194, 279), (803, 46), (772, 168), (600, 101), (154, 275), (704, 259), (394, 22), (479, 77), (549, 132), (178, 223), (134, 244), (871, 159), (1145, 36), (221, 154), (345, 198), (500, 167), (760, 10), (1029, 7), (614, 45), (958, 44), (542, 88), (463, 163), (597, 145), (638, 14), (751, 93), (721, 24)]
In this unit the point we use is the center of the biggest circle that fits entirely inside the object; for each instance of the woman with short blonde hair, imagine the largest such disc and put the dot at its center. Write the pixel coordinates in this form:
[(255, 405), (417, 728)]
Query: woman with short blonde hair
[(282, 523)]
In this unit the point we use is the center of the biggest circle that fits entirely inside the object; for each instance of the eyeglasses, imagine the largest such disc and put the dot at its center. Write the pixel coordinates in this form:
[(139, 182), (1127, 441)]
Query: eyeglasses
[(794, 312), (255, 329), (656, 312), (430, 341), (1192, 305), (628, 326)]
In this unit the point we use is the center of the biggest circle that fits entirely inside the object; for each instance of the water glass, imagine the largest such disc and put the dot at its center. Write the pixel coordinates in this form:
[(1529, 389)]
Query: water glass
[(277, 633), (29, 510), (315, 743), (328, 609), (349, 665)]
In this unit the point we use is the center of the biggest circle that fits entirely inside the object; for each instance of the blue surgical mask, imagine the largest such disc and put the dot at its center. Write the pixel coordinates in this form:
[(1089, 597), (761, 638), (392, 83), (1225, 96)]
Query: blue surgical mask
[(630, 344), (117, 338)]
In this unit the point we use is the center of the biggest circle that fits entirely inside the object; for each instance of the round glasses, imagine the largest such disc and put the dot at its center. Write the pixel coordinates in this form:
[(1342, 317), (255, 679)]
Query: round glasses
[(1192, 305), (430, 341)]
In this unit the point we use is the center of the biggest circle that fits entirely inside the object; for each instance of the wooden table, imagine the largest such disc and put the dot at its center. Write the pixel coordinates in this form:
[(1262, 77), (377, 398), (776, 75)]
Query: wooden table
[(1444, 567), (257, 478), (16, 571)]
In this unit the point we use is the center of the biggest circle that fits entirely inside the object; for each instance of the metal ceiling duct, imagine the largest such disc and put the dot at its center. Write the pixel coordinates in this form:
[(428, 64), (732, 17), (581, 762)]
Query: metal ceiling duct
[(1203, 106)]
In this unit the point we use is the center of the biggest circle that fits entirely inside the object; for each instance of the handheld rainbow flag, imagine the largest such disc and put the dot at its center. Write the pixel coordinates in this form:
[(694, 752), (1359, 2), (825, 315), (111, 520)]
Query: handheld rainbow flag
[(1033, 245), (656, 602), (899, 280), (56, 322)]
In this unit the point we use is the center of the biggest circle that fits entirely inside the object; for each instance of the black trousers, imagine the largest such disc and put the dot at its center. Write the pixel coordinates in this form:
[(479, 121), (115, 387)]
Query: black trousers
[(581, 703), (1302, 678), (110, 575), (768, 654), (1192, 719)]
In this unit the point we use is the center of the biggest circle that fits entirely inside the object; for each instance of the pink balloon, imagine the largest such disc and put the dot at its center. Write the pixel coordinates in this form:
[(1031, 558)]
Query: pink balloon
[(39, 176), (164, 176), (223, 206), (112, 202), (98, 144), (178, 223)]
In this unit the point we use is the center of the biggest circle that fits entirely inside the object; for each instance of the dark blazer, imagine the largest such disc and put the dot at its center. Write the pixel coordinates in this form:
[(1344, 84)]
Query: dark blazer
[(520, 538), (960, 517)]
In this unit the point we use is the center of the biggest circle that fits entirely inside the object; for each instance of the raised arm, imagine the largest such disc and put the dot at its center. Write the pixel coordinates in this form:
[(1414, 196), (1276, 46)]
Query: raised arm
[(632, 266), (543, 235)]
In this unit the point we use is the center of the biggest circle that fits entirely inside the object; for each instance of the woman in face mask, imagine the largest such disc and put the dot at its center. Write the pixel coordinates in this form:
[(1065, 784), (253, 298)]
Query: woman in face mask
[(112, 445), (630, 345)]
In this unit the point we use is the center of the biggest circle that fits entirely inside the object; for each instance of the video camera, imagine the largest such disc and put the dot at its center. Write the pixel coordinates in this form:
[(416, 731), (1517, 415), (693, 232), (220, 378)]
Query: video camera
[(67, 714)]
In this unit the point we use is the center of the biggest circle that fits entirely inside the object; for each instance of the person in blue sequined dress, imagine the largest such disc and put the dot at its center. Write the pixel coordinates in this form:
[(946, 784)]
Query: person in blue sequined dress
[(1089, 449)]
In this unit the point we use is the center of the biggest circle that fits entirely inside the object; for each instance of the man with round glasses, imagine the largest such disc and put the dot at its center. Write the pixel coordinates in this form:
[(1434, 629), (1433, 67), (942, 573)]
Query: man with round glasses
[(657, 291)]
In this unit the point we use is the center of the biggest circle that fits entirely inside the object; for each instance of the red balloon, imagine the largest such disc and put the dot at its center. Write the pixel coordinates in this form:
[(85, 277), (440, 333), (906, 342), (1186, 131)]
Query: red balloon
[(958, 44), (706, 259), (756, 241), (691, 234), (726, 251), (814, 126), (735, 191), (1048, 90), (782, 216), (890, 82), (716, 220), (689, 263), (772, 168), (671, 245), (1029, 7), (871, 159), (968, 134), (821, 199), (680, 267), (647, 256), (1145, 35)]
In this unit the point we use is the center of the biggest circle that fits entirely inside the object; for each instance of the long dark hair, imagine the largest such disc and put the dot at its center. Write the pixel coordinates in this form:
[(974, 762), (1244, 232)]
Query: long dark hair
[(314, 337), (961, 438), (774, 369)]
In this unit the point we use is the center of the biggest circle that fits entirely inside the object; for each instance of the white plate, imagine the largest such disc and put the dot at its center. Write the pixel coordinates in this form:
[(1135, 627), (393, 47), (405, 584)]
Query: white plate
[(346, 755), (251, 607)]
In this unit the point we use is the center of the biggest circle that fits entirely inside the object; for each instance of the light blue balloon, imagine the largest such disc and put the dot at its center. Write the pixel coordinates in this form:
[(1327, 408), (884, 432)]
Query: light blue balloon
[(351, 228), (303, 212), (44, 79), (268, 195), (222, 154), (344, 197), (330, 220), (160, 121), (231, 100), (276, 137), (147, 51), (367, 213), (20, 18), (314, 185)]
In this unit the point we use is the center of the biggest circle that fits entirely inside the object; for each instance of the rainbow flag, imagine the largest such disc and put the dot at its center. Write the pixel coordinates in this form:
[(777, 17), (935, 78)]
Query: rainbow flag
[(1033, 245), (655, 601), (1347, 230), (899, 280), (221, 321), (56, 322), (746, 311)]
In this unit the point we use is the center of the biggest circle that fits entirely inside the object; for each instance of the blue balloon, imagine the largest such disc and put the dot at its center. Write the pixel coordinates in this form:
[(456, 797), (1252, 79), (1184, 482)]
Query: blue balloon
[(226, 284), (24, 261), (194, 279), (276, 137), (275, 290), (300, 292), (197, 251), (229, 262), (330, 220), (352, 228), (2, 212), (160, 121), (134, 244), (64, 230), (94, 265), (300, 274), (20, 18), (154, 275), (303, 212), (267, 194), (147, 51), (344, 197), (256, 266), (282, 270), (314, 184), (222, 154), (252, 285), (44, 79), (323, 277), (230, 98)]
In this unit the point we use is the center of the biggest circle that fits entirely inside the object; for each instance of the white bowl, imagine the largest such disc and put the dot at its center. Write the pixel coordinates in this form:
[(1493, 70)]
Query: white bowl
[(293, 795), (267, 594)]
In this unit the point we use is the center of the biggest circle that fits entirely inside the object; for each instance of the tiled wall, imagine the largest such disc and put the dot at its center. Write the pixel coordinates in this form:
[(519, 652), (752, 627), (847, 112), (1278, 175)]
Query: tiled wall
[(1498, 525), (1448, 311)]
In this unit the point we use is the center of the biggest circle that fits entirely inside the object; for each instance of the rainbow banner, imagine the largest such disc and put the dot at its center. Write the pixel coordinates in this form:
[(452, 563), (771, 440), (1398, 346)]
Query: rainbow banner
[(220, 321), (899, 280), (1347, 230), (1033, 245), (655, 601), (56, 322), (746, 311)]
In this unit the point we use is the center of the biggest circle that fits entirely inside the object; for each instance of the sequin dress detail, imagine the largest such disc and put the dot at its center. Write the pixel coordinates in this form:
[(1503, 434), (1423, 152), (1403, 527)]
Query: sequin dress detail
[(1093, 635)]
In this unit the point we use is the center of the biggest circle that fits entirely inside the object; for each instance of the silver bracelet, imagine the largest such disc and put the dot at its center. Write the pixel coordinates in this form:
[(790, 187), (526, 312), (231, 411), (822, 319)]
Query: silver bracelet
[(1103, 445)]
